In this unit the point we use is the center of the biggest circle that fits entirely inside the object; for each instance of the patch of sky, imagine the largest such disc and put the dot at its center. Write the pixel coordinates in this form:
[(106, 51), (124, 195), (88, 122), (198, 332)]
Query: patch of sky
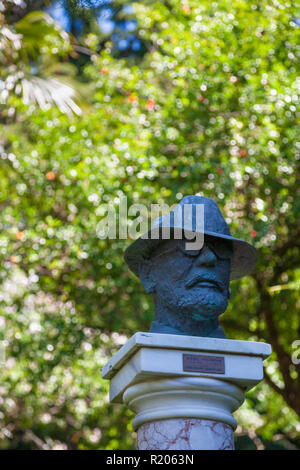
[(58, 11)]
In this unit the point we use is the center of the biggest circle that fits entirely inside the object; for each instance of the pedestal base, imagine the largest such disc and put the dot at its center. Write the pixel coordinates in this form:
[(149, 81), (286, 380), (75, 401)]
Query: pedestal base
[(184, 389), (185, 434)]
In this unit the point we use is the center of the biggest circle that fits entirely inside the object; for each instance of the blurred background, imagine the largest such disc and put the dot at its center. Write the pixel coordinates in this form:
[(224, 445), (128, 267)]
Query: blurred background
[(152, 100)]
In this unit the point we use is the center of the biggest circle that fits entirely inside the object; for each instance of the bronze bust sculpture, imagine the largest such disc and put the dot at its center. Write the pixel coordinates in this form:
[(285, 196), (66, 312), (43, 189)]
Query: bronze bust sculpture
[(190, 286)]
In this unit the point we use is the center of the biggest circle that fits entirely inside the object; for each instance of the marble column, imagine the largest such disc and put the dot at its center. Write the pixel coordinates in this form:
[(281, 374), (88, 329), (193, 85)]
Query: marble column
[(185, 434), (184, 389)]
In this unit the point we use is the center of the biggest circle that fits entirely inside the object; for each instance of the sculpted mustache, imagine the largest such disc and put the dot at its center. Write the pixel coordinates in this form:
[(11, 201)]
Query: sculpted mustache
[(199, 278)]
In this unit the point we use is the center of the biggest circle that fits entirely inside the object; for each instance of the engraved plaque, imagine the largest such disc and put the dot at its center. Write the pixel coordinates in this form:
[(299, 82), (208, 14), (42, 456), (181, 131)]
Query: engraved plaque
[(201, 363)]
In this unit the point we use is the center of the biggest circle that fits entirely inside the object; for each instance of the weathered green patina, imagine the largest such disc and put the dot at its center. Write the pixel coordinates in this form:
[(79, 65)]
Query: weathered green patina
[(190, 286)]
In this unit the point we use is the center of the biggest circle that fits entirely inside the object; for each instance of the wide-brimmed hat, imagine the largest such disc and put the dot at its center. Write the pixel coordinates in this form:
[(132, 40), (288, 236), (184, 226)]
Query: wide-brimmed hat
[(244, 255)]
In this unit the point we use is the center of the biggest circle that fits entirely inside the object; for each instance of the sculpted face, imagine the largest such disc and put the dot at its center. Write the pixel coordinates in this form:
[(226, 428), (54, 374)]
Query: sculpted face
[(189, 287)]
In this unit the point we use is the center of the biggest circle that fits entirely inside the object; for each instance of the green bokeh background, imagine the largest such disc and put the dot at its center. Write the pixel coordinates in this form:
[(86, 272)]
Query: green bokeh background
[(207, 106)]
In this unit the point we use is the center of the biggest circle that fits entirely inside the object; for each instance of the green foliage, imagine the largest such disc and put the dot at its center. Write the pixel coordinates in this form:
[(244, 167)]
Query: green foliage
[(28, 50), (209, 109)]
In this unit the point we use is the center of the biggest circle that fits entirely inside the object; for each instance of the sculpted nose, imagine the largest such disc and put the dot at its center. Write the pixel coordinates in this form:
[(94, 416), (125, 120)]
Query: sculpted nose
[(206, 257)]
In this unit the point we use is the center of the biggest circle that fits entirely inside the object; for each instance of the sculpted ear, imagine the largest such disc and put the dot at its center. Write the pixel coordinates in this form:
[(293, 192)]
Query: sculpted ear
[(146, 278)]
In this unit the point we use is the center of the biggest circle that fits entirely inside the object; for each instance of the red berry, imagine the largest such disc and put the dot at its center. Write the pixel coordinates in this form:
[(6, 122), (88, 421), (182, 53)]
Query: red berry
[(50, 176), (19, 236), (150, 104)]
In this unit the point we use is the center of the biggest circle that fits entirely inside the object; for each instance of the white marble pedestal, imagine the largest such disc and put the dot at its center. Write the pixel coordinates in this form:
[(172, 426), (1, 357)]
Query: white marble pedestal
[(184, 389)]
